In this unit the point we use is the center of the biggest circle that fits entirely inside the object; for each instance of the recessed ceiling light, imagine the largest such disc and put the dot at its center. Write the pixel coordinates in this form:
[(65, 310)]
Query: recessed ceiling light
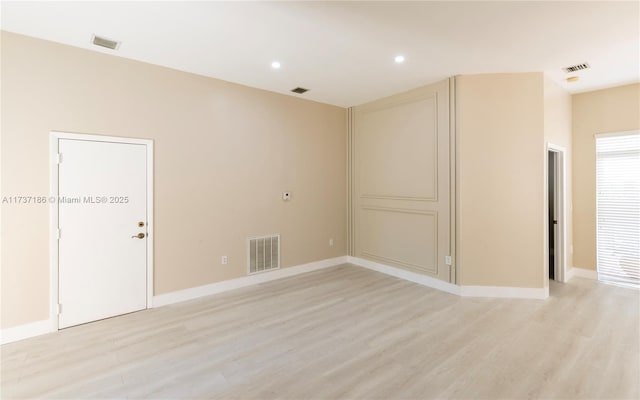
[(275, 65), (399, 59), (573, 79)]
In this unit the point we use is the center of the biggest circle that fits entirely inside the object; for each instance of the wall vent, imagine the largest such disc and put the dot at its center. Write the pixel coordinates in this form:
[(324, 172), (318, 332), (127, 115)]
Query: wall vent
[(263, 253), (299, 90), (574, 68), (104, 42)]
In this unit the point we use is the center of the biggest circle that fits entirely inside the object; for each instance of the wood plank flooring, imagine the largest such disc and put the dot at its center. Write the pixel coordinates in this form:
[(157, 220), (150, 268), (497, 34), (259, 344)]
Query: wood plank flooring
[(343, 333)]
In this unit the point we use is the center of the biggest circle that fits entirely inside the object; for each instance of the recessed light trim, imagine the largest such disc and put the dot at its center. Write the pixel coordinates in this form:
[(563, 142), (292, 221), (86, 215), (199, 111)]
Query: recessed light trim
[(104, 42), (275, 65), (573, 79), (399, 59)]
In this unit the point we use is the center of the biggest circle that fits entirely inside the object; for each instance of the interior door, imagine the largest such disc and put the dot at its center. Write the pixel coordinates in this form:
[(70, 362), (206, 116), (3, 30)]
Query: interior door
[(552, 220), (402, 181), (102, 214)]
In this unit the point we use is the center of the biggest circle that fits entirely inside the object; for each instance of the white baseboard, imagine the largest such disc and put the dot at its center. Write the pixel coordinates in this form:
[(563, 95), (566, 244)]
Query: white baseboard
[(26, 331), (32, 329), (582, 273), (464, 291), (505, 292), (224, 286), (406, 275), (41, 327)]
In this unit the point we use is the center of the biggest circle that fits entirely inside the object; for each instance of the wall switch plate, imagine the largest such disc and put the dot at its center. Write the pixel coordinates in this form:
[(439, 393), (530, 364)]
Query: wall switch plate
[(286, 196), (224, 260), (330, 242), (447, 260)]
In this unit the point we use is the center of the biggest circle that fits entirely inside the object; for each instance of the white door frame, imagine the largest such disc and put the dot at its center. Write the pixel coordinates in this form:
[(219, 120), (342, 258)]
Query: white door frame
[(54, 138), (560, 255)]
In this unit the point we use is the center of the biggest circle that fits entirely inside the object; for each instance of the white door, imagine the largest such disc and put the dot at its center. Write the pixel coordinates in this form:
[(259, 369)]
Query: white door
[(102, 208)]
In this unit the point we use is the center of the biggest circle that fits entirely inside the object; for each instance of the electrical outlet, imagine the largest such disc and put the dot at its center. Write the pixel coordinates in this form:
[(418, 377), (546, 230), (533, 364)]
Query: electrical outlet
[(330, 242), (224, 260)]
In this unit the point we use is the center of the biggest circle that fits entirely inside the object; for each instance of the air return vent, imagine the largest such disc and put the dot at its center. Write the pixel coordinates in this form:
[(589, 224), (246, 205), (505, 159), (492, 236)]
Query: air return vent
[(299, 90), (264, 253), (575, 68), (103, 42)]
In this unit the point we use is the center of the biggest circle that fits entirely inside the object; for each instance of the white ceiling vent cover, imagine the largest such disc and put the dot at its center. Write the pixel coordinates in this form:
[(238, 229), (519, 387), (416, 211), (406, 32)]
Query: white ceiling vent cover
[(104, 42), (263, 253), (577, 67)]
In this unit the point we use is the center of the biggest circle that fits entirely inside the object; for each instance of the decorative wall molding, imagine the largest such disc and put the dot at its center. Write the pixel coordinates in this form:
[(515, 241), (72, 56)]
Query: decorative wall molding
[(396, 197), (400, 210), (383, 260)]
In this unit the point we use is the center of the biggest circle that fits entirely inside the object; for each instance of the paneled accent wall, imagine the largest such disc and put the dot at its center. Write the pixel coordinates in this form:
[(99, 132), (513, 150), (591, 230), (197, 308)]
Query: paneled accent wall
[(400, 180)]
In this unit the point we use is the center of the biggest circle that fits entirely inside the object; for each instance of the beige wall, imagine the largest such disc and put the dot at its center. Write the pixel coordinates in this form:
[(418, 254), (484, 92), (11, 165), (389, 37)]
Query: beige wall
[(223, 155), (401, 180), (609, 110), (500, 179), (557, 130)]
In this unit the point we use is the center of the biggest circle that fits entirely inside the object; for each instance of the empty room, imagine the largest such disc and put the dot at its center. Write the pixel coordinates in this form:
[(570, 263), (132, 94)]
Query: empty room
[(320, 200)]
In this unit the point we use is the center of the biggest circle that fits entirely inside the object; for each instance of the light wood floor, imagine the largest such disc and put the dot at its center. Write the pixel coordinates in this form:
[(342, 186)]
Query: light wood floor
[(345, 332)]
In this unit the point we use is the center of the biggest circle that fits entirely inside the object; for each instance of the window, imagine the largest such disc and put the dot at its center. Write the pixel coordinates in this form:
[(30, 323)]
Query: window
[(618, 208)]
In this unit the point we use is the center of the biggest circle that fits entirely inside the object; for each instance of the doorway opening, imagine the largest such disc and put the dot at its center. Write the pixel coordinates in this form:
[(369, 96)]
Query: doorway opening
[(556, 211)]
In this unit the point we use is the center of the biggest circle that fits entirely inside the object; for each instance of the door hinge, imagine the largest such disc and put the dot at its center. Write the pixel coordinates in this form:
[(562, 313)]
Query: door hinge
[(58, 234), (447, 260), (59, 308), (59, 158)]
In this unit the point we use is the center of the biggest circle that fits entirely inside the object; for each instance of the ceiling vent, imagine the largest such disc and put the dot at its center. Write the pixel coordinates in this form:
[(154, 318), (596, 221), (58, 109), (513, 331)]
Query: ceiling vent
[(299, 90), (574, 68), (103, 42)]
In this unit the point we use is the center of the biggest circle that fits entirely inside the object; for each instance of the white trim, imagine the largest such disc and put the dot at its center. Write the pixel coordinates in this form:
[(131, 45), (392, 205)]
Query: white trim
[(224, 286), (622, 133), (464, 291), (37, 328), (41, 327), (505, 292), (26, 331), (561, 186), (407, 275), (54, 138), (582, 273)]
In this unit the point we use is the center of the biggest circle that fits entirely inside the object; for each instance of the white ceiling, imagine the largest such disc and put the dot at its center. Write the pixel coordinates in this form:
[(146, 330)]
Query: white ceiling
[(344, 51)]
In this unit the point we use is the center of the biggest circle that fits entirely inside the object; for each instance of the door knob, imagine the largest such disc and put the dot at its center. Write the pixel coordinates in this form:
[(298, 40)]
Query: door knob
[(139, 236)]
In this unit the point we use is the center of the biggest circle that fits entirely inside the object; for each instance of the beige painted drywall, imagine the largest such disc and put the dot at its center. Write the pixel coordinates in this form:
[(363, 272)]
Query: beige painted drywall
[(610, 110), (500, 123), (557, 130), (223, 155), (400, 148)]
